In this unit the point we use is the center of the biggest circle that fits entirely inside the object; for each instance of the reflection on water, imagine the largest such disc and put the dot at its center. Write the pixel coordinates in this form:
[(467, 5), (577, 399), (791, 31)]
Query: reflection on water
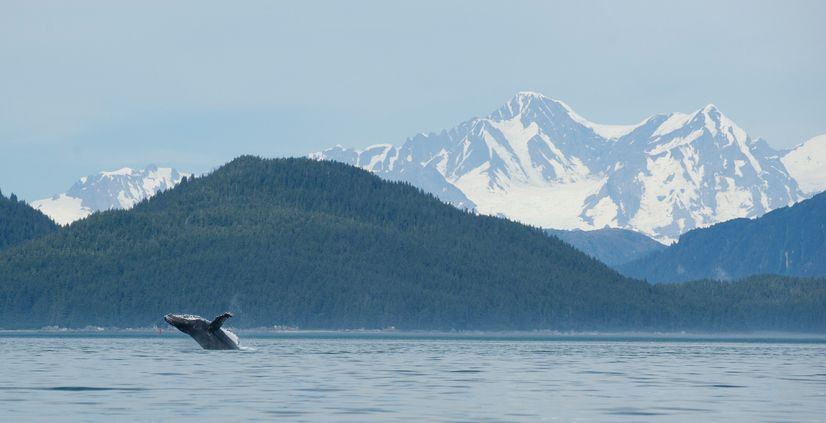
[(394, 378)]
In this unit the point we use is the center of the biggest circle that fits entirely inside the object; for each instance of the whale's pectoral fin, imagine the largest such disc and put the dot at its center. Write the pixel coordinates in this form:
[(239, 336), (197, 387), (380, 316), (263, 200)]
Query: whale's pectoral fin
[(219, 321)]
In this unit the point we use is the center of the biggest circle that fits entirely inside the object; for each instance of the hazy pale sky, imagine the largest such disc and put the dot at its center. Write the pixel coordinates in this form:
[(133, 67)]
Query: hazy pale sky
[(87, 86)]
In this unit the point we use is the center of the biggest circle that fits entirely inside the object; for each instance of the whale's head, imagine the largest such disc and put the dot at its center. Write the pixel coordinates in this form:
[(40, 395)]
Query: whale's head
[(184, 322)]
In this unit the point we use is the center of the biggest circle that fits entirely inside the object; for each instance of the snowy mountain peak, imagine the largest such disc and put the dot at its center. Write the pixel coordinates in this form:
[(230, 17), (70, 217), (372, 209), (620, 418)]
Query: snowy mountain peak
[(530, 106), (116, 189), (710, 113), (536, 160), (528, 99), (533, 107), (708, 119), (531, 94)]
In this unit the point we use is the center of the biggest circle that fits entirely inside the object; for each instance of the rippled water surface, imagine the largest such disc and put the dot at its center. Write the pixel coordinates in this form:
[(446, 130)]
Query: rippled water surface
[(345, 377)]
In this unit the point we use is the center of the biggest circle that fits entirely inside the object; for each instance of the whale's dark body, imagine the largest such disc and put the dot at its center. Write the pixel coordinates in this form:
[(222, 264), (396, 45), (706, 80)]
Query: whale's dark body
[(209, 335)]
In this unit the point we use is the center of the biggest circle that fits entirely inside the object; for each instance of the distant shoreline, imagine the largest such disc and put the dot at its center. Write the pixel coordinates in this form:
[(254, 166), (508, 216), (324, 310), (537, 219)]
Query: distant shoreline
[(264, 333)]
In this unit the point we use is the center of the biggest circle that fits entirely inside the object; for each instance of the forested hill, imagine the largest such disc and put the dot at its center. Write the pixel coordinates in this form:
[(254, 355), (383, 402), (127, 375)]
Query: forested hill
[(789, 241), (312, 244), (20, 222), (324, 245)]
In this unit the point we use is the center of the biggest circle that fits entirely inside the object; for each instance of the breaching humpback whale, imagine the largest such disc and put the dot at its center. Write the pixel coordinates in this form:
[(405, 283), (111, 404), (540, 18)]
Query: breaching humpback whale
[(209, 335)]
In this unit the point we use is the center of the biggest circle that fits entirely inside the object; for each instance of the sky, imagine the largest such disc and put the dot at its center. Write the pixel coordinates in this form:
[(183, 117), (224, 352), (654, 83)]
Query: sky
[(87, 86)]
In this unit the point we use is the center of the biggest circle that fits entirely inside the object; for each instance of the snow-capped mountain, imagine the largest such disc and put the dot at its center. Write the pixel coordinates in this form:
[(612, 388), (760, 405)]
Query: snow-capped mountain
[(682, 171), (118, 189), (807, 164), (537, 161)]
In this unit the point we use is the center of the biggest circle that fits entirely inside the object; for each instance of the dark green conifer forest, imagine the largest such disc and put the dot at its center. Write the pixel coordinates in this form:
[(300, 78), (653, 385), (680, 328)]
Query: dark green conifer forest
[(789, 241), (323, 245), (20, 222)]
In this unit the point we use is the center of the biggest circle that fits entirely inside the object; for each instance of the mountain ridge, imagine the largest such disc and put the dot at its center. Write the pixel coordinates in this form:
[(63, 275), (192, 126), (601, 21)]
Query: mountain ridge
[(789, 241), (548, 166), (117, 189), (537, 161)]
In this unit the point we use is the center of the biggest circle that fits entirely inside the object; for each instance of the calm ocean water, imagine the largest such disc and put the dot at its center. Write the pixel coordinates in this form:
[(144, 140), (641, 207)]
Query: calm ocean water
[(420, 378)]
